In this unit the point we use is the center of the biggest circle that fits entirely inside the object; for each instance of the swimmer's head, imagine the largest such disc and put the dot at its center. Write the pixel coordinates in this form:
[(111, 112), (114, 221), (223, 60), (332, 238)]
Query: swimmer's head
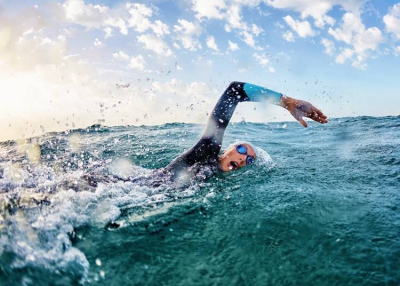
[(237, 156)]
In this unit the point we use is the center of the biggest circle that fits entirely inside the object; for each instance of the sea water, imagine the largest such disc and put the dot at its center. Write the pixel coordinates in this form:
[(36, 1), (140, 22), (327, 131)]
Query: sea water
[(320, 207)]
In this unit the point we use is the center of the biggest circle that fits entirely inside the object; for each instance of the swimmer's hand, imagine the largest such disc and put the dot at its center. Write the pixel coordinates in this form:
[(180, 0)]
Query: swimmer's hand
[(300, 109)]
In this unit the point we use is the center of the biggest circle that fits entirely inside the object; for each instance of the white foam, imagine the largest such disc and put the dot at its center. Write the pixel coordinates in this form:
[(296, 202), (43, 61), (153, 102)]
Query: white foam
[(263, 159), (39, 237)]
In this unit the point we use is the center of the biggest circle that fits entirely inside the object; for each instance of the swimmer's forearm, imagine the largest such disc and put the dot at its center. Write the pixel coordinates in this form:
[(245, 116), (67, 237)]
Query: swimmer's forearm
[(259, 93)]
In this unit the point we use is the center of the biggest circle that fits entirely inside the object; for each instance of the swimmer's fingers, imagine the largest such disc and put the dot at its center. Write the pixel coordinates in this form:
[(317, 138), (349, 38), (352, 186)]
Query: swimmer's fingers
[(302, 121), (318, 116), (299, 117)]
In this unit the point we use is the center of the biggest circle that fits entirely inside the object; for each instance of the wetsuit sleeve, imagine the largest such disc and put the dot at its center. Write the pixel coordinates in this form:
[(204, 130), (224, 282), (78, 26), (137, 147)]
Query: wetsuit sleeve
[(209, 145)]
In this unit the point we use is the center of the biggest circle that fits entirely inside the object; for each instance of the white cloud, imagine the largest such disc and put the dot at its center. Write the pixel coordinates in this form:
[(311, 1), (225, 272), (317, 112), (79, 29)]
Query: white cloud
[(187, 34), (87, 15), (367, 40), (230, 11), (316, 9), (117, 22), (92, 16), (188, 28), (271, 70), (256, 30), (288, 36), (397, 51), (234, 18), (211, 43), (344, 55), (261, 59), (302, 28), (120, 56), (160, 28), (139, 16), (97, 42), (108, 31), (392, 20), (351, 24), (233, 46), (249, 39), (137, 63), (329, 46), (155, 44), (209, 9), (353, 32), (135, 15)]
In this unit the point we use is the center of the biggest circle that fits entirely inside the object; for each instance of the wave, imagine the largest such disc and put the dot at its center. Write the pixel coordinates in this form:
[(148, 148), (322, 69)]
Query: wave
[(45, 197)]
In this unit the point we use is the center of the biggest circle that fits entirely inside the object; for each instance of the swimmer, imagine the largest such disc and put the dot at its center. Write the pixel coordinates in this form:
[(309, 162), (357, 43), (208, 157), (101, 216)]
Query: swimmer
[(204, 158), (206, 151)]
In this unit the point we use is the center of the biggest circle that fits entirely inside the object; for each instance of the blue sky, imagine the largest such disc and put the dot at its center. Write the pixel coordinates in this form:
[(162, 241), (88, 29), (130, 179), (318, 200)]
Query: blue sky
[(68, 63)]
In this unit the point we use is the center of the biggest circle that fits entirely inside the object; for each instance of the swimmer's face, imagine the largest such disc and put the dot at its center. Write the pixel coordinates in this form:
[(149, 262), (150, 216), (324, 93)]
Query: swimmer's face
[(231, 159)]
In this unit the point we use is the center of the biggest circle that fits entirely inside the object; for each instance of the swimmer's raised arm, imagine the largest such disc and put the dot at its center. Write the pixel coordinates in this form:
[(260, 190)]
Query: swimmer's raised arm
[(209, 145), (210, 142), (239, 92)]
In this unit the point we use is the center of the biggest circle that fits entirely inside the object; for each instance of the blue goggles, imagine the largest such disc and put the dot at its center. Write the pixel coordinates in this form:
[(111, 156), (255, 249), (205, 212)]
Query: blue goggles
[(241, 149)]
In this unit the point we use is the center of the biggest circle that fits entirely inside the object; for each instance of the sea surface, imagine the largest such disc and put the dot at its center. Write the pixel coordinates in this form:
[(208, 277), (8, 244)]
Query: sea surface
[(320, 207)]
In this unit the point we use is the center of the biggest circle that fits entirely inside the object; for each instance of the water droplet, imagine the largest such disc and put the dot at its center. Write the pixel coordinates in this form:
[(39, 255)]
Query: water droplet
[(98, 262)]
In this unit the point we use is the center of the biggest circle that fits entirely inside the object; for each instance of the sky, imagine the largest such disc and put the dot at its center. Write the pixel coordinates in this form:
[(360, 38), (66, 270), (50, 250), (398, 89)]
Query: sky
[(73, 63)]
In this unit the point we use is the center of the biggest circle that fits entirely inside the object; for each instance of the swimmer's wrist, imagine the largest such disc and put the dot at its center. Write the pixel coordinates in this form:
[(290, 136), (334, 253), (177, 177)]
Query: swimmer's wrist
[(285, 101)]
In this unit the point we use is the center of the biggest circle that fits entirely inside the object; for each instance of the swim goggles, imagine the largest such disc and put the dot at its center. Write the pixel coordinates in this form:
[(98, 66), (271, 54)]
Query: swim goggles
[(241, 149)]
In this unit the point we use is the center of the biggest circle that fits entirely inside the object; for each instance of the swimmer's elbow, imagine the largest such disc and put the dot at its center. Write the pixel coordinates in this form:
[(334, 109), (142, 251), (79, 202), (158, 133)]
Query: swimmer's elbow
[(236, 89), (234, 84)]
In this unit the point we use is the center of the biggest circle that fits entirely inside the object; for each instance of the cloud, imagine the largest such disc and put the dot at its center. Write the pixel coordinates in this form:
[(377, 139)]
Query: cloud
[(211, 43), (351, 25), (97, 42), (187, 34), (397, 51), (302, 28), (209, 9), (86, 15), (91, 16), (329, 46), (392, 20), (22, 50), (155, 44), (234, 18), (256, 30), (137, 63), (344, 55), (261, 59), (108, 31), (121, 56), (249, 40), (140, 14), (353, 32), (233, 46), (317, 9), (288, 36), (159, 28), (230, 11), (132, 15), (188, 28)]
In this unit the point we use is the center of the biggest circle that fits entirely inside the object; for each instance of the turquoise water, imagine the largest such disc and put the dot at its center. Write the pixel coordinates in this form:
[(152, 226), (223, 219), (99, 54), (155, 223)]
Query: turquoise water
[(324, 211)]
